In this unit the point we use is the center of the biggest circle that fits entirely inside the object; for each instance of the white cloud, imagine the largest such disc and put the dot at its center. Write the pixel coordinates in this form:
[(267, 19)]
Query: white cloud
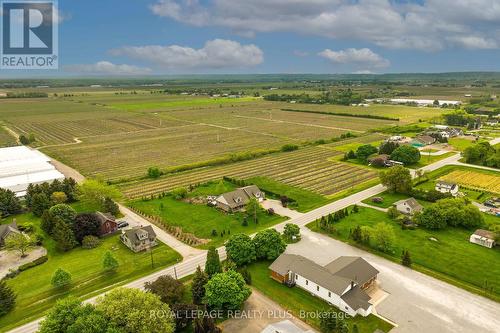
[(364, 58), (217, 53), (106, 67), (431, 25)]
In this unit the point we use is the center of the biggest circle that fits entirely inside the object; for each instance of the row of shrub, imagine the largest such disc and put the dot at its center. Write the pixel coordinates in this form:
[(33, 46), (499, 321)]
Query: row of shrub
[(369, 116)]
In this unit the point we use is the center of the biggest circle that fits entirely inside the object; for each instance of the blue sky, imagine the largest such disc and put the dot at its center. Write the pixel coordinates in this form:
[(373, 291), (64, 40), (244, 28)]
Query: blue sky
[(117, 37)]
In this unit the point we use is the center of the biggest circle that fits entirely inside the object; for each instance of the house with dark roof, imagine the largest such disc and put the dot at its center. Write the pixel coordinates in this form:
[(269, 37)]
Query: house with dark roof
[(236, 200), (484, 238), (447, 187), (139, 239), (6, 230), (107, 223), (408, 206), (343, 282)]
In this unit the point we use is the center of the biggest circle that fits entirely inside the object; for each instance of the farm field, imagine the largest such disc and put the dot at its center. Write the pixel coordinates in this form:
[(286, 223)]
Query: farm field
[(308, 168), (6, 139), (474, 179), (36, 296), (452, 257)]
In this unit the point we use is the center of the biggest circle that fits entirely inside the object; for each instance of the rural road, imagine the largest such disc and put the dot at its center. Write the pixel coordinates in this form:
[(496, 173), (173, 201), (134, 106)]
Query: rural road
[(418, 303)]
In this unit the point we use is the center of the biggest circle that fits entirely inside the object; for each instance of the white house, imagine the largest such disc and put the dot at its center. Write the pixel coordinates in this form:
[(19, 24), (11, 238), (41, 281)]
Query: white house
[(483, 237), (408, 206), (447, 187), (343, 282)]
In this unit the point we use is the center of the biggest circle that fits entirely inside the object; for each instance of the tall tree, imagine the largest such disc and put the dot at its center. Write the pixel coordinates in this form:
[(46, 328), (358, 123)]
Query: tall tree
[(86, 224), (200, 279), (397, 179), (109, 262), (268, 244), (18, 242), (133, 310), (94, 193), (39, 203), (63, 235), (241, 250), (212, 265), (7, 298), (9, 203), (226, 291), (167, 288), (406, 154), (406, 259)]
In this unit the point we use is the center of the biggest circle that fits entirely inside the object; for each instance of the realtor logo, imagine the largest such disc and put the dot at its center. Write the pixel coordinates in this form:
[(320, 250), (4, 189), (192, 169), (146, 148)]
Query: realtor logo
[(29, 35)]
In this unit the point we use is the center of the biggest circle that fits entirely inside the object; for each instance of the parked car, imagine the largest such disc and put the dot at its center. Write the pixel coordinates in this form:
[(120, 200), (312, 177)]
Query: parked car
[(122, 225)]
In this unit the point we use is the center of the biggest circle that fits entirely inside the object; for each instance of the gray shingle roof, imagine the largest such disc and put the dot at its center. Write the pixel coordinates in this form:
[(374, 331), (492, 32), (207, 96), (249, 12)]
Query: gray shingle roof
[(134, 234), (240, 196), (8, 228), (336, 276)]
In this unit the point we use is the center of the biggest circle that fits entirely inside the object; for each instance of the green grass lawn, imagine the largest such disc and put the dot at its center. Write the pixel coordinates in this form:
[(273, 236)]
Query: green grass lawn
[(462, 143), (200, 219), (452, 258), (426, 160), (389, 199), (304, 200), (355, 145), (297, 300), (35, 294)]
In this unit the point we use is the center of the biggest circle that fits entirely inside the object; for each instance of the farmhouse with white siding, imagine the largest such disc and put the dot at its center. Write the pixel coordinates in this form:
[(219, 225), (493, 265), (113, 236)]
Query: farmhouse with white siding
[(342, 283)]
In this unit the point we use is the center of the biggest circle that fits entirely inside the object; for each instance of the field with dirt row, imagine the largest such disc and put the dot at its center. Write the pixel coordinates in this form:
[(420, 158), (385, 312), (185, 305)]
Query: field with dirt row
[(308, 168)]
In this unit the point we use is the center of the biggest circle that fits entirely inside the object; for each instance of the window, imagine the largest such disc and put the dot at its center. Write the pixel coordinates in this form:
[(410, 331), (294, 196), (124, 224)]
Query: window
[(307, 282), (317, 288), (296, 277), (329, 294)]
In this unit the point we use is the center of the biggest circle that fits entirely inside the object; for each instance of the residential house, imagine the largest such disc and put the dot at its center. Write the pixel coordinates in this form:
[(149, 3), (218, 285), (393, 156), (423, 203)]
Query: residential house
[(484, 238), (285, 326), (139, 238), (107, 222), (6, 230), (408, 206), (343, 282), (447, 187), (237, 199)]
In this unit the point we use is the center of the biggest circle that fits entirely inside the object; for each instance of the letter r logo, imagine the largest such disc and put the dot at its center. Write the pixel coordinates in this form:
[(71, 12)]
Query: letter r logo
[(27, 27)]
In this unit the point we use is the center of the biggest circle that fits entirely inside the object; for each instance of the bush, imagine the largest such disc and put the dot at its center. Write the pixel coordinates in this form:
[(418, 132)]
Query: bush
[(179, 193), (90, 242), (289, 147), (61, 278), (34, 263), (26, 227), (406, 154)]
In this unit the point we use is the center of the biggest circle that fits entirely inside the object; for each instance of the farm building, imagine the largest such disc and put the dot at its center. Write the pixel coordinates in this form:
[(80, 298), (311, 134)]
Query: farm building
[(408, 206), (237, 199), (107, 222), (447, 187), (423, 102), (21, 166), (343, 282), (483, 237)]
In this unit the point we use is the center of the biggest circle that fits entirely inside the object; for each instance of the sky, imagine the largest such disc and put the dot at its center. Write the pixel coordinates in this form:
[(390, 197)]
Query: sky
[(158, 37)]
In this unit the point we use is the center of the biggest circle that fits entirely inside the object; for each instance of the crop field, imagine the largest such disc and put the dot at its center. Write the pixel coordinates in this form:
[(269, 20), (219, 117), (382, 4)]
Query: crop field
[(405, 114), (6, 139), (308, 168), (475, 180)]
